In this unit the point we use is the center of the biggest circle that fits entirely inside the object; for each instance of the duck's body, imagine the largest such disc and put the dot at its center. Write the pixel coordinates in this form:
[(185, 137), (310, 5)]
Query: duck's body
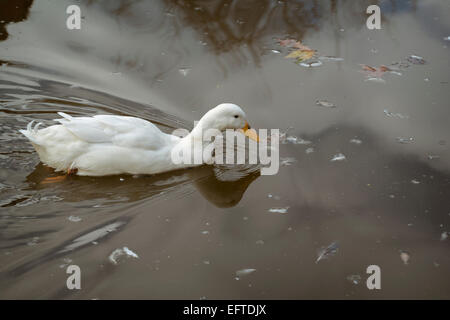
[(107, 144)]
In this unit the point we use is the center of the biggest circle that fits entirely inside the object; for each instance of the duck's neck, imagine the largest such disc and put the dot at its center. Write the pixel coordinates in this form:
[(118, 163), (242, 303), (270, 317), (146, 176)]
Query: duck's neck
[(193, 144), (197, 133)]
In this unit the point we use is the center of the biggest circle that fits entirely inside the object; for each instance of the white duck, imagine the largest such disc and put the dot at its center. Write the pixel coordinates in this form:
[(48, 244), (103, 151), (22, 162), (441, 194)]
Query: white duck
[(107, 144)]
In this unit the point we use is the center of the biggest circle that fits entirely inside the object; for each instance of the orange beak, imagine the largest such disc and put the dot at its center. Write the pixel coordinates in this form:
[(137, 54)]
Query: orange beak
[(251, 133)]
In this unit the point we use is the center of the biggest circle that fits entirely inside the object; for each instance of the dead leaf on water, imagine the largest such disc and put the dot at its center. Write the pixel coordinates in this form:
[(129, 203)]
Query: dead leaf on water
[(376, 74), (368, 68), (301, 55), (292, 43)]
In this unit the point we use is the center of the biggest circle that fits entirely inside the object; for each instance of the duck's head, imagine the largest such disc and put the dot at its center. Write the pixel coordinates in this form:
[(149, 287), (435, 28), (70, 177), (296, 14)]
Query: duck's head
[(227, 116)]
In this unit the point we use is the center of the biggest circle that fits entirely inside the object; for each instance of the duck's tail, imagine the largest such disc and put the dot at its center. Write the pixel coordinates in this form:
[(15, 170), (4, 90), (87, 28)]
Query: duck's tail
[(31, 132)]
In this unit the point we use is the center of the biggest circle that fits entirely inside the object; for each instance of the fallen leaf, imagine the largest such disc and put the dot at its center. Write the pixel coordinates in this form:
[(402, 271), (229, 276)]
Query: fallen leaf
[(368, 68), (287, 42), (301, 55), (292, 43), (375, 73)]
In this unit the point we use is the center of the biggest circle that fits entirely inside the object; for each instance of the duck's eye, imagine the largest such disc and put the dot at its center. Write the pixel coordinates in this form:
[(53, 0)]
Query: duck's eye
[(236, 116)]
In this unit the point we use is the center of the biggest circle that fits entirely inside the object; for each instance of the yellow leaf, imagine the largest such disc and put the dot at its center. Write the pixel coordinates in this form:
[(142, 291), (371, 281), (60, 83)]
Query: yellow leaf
[(301, 54)]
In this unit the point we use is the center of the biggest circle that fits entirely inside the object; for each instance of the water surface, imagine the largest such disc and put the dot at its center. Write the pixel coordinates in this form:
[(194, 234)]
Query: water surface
[(171, 61)]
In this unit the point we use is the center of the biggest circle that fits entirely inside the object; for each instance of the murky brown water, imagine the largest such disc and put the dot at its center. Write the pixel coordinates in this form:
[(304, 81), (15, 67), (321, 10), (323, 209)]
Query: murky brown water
[(171, 61)]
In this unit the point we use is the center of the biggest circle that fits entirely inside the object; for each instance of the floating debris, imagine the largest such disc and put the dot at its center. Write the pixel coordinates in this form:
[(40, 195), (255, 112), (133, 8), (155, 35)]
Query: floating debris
[(287, 161), (301, 55), (328, 252), (374, 79), (33, 241), (397, 115), (444, 236), (207, 262), (311, 64), (74, 219), (184, 71), (338, 157), (376, 73), (355, 141), (415, 59), (116, 254), (243, 272), (447, 38), (354, 278), (295, 140), (414, 181), (205, 232), (330, 58), (405, 257), (259, 242), (395, 72), (325, 103), (292, 43), (404, 140), (401, 64), (272, 196), (275, 51), (432, 157), (309, 150), (279, 210)]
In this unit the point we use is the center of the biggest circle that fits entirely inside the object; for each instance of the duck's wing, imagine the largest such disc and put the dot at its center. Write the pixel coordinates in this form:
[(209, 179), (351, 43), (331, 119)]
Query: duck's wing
[(118, 130)]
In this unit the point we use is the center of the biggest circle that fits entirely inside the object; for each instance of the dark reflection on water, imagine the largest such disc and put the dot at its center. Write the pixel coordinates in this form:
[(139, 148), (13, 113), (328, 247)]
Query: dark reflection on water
[(169, 62), (12, 11)]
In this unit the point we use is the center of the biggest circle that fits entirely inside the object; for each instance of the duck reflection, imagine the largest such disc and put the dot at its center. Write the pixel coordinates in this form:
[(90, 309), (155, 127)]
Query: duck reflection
[(222, 186)]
